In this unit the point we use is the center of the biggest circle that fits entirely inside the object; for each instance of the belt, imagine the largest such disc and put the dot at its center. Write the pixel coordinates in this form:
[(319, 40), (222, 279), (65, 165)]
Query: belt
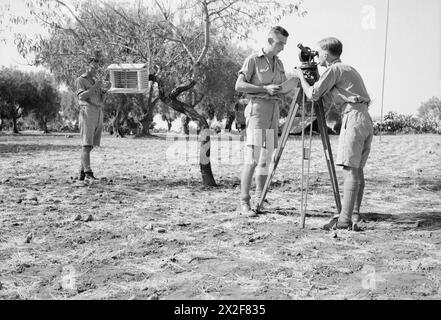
[(266, 98), (89, 105)]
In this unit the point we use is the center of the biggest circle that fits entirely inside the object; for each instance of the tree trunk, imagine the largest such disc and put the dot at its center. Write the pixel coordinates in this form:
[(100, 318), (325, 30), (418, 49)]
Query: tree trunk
[(169, 124), (117, 121), (205, 148), (204, 158), (1, 124), (45, 129), (144, 128), (190, 113), (117, 125), (185, 121), (14, 124), (229, 123), (147, 117), (43, 125)]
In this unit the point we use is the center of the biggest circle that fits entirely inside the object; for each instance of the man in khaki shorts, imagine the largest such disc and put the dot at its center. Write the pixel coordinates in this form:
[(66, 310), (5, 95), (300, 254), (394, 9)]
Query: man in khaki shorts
[(90, 96), (260, 78), (343, 85)]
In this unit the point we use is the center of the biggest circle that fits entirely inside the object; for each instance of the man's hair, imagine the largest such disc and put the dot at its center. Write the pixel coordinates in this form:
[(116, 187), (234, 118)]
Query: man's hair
[(280, 30), (332, 45)]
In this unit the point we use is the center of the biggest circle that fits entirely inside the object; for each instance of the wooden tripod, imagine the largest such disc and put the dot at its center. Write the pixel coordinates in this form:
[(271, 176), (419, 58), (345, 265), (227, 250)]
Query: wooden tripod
[(318, 109)]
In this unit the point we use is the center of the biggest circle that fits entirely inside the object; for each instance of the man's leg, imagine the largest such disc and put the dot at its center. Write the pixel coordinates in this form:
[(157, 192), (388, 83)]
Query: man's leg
[(82, 174), (85, 158), (356, 213), (264, 161), (364, 157), (251, 154), (350, 193), (82, 134), (261, 172)]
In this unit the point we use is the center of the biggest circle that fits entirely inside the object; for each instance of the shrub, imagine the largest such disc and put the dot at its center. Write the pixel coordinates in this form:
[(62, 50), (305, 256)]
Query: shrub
[(395, 123)]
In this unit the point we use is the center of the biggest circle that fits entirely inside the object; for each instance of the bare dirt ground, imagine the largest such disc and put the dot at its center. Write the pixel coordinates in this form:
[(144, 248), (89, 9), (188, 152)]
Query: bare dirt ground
[(156, 232)]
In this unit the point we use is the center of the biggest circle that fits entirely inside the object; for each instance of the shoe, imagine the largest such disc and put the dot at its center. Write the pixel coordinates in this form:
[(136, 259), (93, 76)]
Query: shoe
[(246, 211), (264, 205), (331, 223), (89, 177), (356, 219), (343, 225), (82, 175)]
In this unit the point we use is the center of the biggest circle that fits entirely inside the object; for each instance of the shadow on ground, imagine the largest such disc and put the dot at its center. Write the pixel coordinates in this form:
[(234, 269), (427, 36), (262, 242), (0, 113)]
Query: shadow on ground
[(426, 220), (22, 148)]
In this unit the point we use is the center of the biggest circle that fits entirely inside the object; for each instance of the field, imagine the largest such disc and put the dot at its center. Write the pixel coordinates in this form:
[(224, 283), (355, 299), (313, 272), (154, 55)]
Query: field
[(149, 230)]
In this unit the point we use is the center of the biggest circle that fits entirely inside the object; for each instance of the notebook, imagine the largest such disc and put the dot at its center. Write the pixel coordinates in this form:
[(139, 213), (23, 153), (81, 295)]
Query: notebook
[(289, 85)]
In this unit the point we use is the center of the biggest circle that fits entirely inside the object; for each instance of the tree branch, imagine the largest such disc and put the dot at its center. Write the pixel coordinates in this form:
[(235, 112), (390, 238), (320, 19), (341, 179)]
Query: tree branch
[(76, 18), (176, 30), (178, 90), (206, 31), (121, 14)]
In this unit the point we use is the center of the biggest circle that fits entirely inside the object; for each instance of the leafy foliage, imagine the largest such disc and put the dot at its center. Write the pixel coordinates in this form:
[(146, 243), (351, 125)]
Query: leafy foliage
[(395, 123), (23, 94)]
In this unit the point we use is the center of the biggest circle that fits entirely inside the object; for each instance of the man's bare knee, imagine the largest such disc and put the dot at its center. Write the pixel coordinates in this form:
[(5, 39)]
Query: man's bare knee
[(351, 173)]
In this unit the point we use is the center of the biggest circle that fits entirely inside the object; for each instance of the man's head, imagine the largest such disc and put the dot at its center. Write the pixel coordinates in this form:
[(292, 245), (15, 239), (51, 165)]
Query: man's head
[(277, 38), (92, 66), (330, 49)]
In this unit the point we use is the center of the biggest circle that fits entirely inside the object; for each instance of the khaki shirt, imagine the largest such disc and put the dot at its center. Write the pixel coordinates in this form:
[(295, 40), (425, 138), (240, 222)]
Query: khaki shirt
[(341, 85), (83, 83), (257, 71)]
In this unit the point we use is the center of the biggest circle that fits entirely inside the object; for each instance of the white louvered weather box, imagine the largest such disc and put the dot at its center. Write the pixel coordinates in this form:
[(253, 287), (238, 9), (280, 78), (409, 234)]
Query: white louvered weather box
[(129, 78)]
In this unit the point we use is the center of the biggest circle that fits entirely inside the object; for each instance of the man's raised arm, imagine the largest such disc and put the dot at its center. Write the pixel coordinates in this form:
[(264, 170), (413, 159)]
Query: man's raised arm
[(322, 86), (243, 86)]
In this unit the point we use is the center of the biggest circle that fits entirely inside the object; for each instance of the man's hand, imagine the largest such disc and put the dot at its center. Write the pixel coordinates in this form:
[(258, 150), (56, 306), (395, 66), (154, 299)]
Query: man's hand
[(106, 86), (272, 89)]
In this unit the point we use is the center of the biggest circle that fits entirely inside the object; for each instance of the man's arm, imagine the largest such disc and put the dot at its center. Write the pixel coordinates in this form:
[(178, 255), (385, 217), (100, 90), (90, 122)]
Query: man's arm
[(323, 85), (105, 89), (84, 94), (246, 87)]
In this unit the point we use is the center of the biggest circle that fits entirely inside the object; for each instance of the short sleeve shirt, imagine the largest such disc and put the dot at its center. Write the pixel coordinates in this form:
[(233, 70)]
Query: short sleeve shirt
[(340, 84), (258, 71), (83, 83)]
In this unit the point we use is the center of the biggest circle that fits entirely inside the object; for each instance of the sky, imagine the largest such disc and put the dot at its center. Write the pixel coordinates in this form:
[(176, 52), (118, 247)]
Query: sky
[(413, 60)]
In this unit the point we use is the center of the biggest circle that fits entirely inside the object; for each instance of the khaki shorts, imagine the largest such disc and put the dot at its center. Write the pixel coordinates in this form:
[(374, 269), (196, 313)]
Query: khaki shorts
[(355, 139), (91, 125), (262, 121)]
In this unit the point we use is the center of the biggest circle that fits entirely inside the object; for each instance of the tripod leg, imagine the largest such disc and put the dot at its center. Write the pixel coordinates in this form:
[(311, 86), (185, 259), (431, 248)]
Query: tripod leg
[(306, 156), (278, 153), (302, 201), (329, 158)]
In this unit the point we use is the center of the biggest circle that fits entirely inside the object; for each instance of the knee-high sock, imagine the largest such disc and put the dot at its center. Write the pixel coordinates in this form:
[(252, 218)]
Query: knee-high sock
[(247, 174), (262, 171), (85, 158), (350, 191), (245, 182), (360, 191), (260, 183)]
